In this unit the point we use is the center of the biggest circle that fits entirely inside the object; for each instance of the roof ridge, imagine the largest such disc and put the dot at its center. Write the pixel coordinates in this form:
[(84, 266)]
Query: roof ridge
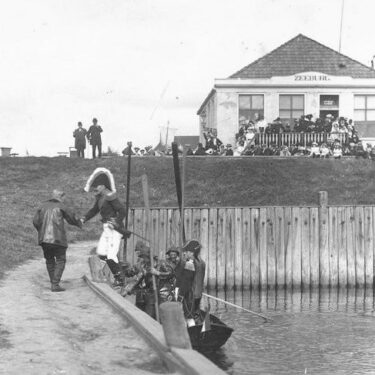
[(300, 35), (264, 56)]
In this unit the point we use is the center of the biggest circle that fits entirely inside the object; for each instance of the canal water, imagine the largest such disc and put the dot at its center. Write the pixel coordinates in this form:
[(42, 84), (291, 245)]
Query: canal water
[(313, 332)]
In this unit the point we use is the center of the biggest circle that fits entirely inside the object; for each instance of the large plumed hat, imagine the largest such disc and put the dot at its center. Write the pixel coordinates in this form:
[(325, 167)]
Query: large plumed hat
[(101, 176), (193, 245)]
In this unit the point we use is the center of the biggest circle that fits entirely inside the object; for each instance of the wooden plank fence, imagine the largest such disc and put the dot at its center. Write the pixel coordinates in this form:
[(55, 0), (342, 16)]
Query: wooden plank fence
[(271, 247)]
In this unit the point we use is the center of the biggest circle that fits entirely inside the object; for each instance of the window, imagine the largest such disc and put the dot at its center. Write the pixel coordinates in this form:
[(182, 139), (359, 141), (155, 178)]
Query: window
[(291, 107), (248, 106), (364, 107)]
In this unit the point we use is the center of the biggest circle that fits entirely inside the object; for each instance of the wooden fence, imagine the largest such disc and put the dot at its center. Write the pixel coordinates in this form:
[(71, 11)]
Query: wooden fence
[(268, 247), (304, 139)]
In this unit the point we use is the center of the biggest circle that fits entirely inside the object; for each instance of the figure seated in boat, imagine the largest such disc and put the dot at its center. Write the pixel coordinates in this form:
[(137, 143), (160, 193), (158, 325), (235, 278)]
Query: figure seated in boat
[(167, 276), (142, 284)]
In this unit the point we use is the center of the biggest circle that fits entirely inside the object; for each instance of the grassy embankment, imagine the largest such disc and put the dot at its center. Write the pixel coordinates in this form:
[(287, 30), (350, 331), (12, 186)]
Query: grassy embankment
[(25, 182)]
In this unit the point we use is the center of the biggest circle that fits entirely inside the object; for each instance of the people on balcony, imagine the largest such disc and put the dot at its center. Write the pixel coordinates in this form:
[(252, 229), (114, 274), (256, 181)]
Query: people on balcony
[(212, 143)]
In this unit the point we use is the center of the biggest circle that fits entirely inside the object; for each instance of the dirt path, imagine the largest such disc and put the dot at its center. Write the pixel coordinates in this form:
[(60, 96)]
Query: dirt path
[(73, 332)]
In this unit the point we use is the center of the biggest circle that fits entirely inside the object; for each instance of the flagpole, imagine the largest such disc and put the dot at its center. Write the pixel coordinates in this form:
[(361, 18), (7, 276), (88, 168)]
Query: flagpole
[(342, 16)]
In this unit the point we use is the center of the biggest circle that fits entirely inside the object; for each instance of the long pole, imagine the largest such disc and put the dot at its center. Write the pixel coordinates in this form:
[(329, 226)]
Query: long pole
[(237, 306), (127, 196), (342, 16), (148, 235), (177, 176)]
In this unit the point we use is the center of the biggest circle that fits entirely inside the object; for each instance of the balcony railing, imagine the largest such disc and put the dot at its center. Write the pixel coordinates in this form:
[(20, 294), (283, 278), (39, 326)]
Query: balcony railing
[(304, 139)]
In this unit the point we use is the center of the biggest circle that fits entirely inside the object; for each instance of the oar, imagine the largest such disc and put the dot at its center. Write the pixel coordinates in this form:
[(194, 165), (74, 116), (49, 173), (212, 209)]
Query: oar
[(148, 226), (237, 306), (127, 197), (177, 176)]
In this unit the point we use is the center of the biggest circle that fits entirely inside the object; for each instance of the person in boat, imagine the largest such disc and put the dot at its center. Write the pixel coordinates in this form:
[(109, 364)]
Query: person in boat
[(112, 212), (185, 272), (167, 276), (200, 270), (190, 274), (142, 284)]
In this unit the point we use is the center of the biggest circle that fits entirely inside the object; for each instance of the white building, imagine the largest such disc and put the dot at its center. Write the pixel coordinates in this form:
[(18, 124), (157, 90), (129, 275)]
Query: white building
[(298, 78)]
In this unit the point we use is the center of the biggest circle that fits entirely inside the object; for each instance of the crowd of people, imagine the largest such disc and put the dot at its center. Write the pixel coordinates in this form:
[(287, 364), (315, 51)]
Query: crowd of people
[(340, 139)]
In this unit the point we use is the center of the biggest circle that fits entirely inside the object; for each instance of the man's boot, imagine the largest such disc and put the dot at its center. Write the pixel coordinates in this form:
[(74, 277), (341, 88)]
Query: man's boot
[(116, 271), (59, 269), (50, 263)]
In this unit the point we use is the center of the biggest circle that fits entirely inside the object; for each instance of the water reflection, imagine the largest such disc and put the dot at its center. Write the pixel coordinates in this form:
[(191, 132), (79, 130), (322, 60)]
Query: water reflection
[(312, 332)]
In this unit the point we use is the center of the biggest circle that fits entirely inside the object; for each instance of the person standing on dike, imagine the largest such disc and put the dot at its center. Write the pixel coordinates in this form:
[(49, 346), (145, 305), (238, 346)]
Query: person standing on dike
[(49, 222), (112, 212)]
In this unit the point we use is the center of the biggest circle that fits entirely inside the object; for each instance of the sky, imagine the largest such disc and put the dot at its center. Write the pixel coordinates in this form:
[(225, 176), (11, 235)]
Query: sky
[(137, 65)]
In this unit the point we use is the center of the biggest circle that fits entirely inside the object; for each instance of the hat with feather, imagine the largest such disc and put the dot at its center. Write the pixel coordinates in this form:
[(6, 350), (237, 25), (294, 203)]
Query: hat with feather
[(101, 176)]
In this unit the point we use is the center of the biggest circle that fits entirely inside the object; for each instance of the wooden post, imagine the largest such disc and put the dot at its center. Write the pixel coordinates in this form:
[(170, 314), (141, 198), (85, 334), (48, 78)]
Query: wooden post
[(148, 235), (323, 239), (174, 325), (127, 198)]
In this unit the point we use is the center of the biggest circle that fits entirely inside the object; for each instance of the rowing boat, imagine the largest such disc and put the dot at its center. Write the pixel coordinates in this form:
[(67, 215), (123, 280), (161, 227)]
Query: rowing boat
[(212, 338)]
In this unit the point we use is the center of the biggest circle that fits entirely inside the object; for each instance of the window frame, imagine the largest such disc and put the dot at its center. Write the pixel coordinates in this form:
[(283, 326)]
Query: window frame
[(364, 110), (291, 109), (259, 110)]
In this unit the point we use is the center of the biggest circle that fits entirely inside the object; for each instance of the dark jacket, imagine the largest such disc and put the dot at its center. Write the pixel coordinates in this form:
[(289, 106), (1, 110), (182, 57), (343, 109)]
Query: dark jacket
[(198, 282), (93, 135), (110, 209), (49, 222), (127, 150), (80, 138)]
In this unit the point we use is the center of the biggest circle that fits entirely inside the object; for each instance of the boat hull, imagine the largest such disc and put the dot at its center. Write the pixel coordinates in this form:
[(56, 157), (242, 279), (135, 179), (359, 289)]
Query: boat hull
[(212, 339)]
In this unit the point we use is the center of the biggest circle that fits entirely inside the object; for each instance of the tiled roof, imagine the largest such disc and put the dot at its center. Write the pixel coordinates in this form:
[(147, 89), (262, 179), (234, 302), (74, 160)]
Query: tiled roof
[(302, 54)]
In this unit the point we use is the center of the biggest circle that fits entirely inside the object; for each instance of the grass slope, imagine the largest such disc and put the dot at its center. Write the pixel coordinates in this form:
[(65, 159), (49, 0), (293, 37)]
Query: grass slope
[(25, 182)]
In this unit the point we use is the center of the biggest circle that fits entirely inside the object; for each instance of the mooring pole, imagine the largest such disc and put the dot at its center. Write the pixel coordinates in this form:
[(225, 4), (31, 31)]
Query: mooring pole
[(127, 197)]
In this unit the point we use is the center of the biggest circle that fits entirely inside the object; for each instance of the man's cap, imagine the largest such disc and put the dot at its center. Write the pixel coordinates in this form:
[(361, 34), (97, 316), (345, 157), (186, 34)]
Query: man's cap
[(57, 194), (101, 176), (193, 245), (173, 249), (144, 250)]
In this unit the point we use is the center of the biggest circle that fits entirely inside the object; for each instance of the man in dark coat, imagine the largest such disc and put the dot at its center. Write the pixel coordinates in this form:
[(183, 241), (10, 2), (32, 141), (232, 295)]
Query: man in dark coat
[(49, 222), (112, 212), (95, 138), (142, 283), (190, 277), (80, 140), (128, 149)]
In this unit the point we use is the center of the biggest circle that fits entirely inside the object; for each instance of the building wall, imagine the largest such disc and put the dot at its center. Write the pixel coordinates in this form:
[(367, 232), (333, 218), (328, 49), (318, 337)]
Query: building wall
[(226, 104), (227, 116), (208, 117)]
